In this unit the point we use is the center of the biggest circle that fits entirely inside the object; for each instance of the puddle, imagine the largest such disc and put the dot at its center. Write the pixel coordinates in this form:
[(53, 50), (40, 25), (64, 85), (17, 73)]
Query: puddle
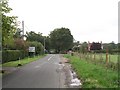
[(75, 82), (60, 68)]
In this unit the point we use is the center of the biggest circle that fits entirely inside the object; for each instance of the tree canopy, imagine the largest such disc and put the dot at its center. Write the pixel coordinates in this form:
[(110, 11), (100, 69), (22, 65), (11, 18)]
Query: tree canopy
[(8, 24), (32, 36), (61, 39)]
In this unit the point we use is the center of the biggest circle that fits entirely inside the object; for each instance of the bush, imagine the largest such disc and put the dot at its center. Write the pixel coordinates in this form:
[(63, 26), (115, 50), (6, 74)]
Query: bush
[(39, 49), (13, 55)]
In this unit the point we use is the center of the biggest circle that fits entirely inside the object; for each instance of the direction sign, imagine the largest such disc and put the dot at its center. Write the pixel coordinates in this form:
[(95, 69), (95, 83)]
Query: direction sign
[(31, 49)]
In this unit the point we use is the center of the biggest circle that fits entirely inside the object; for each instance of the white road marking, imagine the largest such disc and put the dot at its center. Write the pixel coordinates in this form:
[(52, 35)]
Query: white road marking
[(56, 63), (37, 66), (50, 57)]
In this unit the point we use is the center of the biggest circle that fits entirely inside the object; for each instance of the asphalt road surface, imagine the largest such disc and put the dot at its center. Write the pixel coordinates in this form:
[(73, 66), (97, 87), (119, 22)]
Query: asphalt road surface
[(43, 73)]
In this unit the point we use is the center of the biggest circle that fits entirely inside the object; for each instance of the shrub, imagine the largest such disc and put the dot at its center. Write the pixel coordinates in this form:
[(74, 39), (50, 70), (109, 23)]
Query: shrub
[(39, 49)]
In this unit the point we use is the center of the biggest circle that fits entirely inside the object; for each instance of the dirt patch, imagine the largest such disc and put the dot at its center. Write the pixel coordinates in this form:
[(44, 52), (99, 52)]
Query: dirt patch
[(68, 70)]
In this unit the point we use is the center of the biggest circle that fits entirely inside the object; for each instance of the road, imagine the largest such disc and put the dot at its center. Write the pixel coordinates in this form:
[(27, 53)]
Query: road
[(43, 73)]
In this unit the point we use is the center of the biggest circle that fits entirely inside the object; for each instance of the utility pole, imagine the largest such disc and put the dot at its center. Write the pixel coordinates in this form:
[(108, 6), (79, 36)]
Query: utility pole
[(23, 29), (19, 64), (44, 45)]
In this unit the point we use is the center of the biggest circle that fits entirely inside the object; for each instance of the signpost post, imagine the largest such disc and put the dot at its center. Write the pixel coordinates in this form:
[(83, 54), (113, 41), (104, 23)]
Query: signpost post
[(32, 50), (19, 64)]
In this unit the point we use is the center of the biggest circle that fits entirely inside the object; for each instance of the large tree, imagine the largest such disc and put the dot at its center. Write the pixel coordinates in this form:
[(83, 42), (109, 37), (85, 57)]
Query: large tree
[(61, 39), (8, 24), (47, 43), (32, 36)]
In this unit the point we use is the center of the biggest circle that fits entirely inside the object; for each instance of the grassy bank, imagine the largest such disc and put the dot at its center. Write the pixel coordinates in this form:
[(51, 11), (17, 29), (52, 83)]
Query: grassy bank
[(93, 76), (22, 61)]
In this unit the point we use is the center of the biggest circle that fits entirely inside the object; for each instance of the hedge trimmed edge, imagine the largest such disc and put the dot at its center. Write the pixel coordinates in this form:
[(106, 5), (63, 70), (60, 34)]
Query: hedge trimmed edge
[(13, 55)]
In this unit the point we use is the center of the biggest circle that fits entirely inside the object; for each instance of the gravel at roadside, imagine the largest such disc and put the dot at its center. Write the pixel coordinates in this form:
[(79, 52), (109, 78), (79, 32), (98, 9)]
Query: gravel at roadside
[(68, 71)]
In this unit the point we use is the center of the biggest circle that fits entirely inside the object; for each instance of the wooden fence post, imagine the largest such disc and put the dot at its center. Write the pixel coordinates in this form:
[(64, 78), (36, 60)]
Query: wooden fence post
[(94, 56), (106, 56), (109, 57)]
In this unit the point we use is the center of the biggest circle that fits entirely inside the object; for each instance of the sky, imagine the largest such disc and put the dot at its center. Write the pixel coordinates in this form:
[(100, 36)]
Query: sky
[(88, 20)]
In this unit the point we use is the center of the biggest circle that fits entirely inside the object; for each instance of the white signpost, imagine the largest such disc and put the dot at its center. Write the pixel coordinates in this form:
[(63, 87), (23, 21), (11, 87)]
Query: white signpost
[(31, 49)]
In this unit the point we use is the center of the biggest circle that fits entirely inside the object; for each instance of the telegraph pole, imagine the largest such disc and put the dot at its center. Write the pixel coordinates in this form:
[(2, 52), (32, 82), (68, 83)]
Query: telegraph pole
[(19, 64), (44, 45), (23, 29)]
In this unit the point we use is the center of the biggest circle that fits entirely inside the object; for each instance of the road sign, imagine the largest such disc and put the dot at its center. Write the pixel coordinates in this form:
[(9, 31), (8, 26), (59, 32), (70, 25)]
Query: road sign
[(31, 49)]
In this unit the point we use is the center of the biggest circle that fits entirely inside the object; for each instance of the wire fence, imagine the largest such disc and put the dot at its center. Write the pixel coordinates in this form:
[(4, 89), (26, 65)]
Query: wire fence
[(107, 60)]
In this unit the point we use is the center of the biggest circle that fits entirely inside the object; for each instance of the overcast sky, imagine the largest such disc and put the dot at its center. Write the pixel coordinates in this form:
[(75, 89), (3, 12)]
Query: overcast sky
[(88, 20)]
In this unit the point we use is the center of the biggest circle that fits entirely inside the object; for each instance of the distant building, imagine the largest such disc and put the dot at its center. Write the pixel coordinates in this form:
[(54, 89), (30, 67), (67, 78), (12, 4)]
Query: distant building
[(95, 46)]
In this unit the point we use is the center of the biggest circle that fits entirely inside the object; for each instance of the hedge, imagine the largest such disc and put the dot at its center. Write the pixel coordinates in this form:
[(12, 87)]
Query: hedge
[(39, 49), (0, 57), (104, 51), (12, 55)]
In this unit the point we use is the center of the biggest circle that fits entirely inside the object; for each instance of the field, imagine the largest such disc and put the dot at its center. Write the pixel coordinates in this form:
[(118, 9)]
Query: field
[(111, 58), (111, 61), (102, 56), (92, 75)]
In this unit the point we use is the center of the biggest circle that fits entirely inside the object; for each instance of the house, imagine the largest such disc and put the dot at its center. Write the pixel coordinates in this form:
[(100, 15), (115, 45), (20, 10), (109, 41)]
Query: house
[(95, 46)]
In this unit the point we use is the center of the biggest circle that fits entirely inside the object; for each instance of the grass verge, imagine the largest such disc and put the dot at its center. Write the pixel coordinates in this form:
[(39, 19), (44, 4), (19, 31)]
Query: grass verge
[(93, 76), (22, 61)]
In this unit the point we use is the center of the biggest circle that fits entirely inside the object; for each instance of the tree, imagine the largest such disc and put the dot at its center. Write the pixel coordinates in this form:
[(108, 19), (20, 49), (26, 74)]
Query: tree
[(76, 46), (20, 44), (32, 36), (112, 45), (8, 24), (47, 43), (61, 39), (38, 47), (83, 47), (18, 34)]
